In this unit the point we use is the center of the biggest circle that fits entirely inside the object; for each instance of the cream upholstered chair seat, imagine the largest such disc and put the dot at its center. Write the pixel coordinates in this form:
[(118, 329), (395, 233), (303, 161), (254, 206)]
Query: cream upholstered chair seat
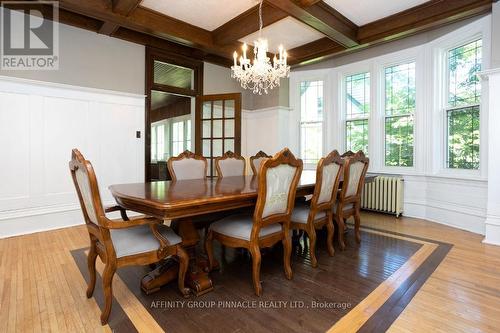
[(140, 239), (301, 213), (240, 226)]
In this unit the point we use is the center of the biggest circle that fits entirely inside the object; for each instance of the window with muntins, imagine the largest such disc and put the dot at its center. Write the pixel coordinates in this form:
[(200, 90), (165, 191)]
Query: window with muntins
[(357, 111), (311, 121), (400, 104), (462, 110)]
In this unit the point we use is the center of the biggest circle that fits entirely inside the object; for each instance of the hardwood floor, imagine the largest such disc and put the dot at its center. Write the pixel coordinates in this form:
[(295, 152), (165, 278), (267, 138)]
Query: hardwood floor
[(42, 289)]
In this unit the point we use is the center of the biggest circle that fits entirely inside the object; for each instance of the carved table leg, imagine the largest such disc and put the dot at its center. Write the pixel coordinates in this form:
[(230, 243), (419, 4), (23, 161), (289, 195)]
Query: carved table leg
[(197, 276)]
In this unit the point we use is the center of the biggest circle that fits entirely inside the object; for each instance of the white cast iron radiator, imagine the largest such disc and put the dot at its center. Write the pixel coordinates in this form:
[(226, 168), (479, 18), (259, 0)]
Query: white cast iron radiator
[(384, 194)]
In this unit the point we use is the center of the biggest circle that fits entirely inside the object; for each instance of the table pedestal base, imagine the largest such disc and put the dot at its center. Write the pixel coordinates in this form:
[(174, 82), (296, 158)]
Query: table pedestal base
[(197, 278)]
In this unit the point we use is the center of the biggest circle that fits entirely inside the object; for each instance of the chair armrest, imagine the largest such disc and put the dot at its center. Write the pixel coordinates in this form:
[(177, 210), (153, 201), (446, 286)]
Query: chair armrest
[(134, 222), (116, 208)]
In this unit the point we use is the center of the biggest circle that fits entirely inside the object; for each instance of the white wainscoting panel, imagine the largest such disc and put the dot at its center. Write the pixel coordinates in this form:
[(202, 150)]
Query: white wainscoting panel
[(40, 123), (459, 203)]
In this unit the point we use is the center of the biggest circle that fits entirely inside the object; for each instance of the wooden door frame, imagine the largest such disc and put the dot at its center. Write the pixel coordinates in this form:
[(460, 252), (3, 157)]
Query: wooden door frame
[(153, 54)]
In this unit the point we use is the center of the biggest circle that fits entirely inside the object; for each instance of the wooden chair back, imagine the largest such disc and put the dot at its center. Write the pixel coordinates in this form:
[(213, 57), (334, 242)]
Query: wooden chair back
[(256, 161), (187, 165), (348, 153), (230, 164), (355, 168), (328, 174), (279, 177), (85, 182)]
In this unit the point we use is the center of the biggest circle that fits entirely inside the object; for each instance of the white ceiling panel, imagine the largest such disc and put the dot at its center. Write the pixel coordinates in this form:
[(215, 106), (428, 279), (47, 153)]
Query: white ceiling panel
[(288, 32), (362, 12), (206, 14)]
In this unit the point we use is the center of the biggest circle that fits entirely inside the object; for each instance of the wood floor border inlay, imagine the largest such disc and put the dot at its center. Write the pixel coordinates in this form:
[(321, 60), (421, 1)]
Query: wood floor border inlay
[(376, 312)]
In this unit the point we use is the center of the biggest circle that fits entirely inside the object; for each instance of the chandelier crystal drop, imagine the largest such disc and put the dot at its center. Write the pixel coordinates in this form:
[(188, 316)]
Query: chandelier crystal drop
[(260, 75)]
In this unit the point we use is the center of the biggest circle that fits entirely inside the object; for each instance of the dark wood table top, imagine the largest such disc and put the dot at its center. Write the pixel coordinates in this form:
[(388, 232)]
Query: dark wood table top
[(183, 198)]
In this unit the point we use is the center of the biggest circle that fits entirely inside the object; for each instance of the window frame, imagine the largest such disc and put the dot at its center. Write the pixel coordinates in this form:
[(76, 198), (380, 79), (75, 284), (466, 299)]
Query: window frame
[(405, 59), (312, 166), (343, 105), (445, 108), (439, 48)]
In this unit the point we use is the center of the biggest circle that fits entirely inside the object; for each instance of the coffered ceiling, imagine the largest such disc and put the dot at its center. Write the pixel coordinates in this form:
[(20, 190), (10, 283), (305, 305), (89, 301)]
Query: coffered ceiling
[(311, 30), (362, 12)]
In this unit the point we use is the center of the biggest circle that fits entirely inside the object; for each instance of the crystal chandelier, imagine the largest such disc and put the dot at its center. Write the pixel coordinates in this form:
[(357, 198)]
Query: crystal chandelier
[(260, 75)]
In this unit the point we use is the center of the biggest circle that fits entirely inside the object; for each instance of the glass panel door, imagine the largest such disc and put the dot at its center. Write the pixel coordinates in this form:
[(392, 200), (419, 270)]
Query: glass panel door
[(219, 127)]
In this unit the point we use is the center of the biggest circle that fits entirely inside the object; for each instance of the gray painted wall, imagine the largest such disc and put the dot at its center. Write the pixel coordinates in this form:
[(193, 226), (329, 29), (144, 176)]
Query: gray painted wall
[(217, 80), (390, 47), (91, 60)]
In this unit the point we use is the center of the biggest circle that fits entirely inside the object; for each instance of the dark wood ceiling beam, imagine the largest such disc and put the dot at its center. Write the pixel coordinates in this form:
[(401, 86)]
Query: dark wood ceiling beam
[(108, 28), (306, 3), (247, 23), (145, 21), (314, 50), (429, 15), (159, 43), (323, 18), (125, 7)]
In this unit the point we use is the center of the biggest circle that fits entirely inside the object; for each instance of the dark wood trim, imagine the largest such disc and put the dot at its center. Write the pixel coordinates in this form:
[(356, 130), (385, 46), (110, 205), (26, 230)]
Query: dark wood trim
[(144, 26), (247, 23), (153, 54), (314, 50), (306, 3), (125, 7), (323, 18), (429, 15), (108, 28), (145, 21)]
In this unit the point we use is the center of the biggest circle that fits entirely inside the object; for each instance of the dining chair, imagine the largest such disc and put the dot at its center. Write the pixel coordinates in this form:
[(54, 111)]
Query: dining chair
[(349, 199), (270, 222), (318, 213), (187, 165), (230, 164), (124, 242), (348, 153), (256, 161)]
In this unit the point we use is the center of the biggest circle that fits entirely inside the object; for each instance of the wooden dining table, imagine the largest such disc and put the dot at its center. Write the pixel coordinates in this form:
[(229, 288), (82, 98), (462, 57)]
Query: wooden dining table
[(183, 202)]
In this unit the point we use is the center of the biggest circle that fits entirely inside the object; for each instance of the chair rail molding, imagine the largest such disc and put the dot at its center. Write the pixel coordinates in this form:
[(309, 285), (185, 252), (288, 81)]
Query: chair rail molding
[(492, 224), (40, 122)]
